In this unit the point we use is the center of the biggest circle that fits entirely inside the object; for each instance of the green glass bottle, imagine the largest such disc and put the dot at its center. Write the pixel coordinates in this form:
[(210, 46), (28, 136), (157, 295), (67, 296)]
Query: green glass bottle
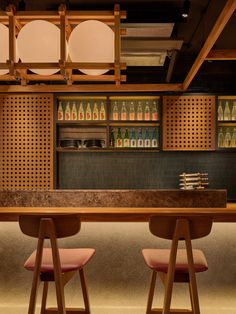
[(126, 138), (119, 141)]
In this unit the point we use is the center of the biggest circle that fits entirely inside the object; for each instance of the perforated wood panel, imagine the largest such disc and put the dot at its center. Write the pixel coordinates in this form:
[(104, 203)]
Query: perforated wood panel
[(188, 123), (26, 142)]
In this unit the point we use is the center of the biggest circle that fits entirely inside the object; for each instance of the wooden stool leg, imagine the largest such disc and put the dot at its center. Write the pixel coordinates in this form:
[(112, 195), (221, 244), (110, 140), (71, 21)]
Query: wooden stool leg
[(151, 292), (168, 290), (194, 295), (44, 297), (84, 291), (33, 294)]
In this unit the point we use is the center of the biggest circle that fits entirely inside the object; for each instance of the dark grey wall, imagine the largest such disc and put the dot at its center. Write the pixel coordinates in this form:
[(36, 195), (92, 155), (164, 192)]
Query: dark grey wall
[(144, 170)]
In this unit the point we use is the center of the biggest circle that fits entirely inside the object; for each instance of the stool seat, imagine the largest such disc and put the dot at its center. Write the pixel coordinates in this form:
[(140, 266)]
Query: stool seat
[(71, 259), (158, 260)]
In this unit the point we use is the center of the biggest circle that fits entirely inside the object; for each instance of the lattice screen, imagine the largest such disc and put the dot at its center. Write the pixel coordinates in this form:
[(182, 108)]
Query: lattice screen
[(188, 123), (26, 142)]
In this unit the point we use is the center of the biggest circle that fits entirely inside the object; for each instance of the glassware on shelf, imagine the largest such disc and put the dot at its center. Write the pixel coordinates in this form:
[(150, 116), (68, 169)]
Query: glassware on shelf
[(88, 113), (147, 112), (131, 111), (102, 115), (227, 140), (133, 141), (227, 113), (67, 111), (233, 113), (123, 111), (81, 112), (115, 112), (74, 111), (220, 138), (95, 111), (119, 141), (140, 111), (126, 138), (147, 141), (60, 112), (154, 111), (233, 139), (220, 112), (140, 138), (154, 142)]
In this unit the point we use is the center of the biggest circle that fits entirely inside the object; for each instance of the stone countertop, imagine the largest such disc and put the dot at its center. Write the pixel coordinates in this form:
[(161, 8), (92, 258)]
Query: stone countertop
[(114, 198)]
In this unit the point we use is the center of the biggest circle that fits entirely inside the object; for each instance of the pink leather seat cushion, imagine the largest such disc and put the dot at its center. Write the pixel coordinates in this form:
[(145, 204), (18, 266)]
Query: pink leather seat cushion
[(158, 259), (71, 259)]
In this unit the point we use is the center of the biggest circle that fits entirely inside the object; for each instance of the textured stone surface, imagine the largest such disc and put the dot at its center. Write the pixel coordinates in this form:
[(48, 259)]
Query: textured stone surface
[(113, 198)]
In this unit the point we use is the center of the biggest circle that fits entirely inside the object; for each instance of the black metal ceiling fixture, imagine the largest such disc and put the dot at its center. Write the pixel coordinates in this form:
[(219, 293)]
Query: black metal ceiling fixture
[(186, 8)]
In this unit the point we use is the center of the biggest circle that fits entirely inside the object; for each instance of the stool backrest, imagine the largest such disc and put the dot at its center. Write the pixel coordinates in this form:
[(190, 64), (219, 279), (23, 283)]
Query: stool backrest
[(64, 225), (165, 226)]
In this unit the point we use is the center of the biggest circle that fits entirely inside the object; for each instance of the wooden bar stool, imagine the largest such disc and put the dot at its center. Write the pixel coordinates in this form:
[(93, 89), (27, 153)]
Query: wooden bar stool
[(176, 265), (54, 264)]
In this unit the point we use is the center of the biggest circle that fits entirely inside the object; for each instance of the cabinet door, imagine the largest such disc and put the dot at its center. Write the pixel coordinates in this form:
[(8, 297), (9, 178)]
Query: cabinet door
[(26, 142), (188, 123)]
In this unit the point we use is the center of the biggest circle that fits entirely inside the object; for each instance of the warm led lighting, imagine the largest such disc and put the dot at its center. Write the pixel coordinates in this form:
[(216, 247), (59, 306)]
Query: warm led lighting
[(39, 41), (92, 41), (4, 47)]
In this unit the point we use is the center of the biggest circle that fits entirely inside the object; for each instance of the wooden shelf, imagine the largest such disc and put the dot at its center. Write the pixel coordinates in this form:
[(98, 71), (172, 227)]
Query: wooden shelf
[(226, 123), (82, 122), (104, 150)]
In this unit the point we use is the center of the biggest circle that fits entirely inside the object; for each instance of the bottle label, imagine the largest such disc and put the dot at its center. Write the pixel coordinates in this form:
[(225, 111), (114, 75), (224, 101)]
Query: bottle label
[(115, 116), (154, 116), (95, 116), (102, 115), (123, 116), (119, 142), (81, 116), (131, 116), (132, 143), (147, 142), (126, 142), (140, 142), (67, 116), (60, 115), (88, 116), (74, 116), (139, 116), (147, 116), (154, 142)]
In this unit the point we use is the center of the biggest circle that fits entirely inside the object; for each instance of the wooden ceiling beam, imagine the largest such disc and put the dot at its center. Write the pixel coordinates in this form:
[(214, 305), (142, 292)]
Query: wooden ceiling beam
[(222, 20), (222, 54)]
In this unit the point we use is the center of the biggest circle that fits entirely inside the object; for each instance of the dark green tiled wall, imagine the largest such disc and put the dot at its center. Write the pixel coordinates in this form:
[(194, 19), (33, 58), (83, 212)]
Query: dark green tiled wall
[(144, 170)]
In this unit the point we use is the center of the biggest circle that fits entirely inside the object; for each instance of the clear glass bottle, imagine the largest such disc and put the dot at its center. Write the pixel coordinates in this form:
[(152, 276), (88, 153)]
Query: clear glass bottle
[(147, 141), (227, 142), (81, 111), (133, 141), (220, 112), (95, 111), (227, 113), (140, 111), (88, 114), (140, 138), (74, 111), (123, 111), (115, 112), (233, 139), (119, 141), (233, 113), (60, 112), (220, 138), (147, 115), (154, 142), (126, 138), (67, 111), (154, 111), (102, 115), (131, 111)]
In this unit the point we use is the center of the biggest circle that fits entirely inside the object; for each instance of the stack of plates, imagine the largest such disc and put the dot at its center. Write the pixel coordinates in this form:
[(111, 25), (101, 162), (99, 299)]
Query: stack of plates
[(192, 181)]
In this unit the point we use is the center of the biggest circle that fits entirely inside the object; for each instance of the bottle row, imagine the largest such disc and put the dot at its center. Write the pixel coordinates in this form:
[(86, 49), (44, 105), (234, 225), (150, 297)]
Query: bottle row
[(227, 138), (134, 137), (81, 111), (135, 110), (226, 110)]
